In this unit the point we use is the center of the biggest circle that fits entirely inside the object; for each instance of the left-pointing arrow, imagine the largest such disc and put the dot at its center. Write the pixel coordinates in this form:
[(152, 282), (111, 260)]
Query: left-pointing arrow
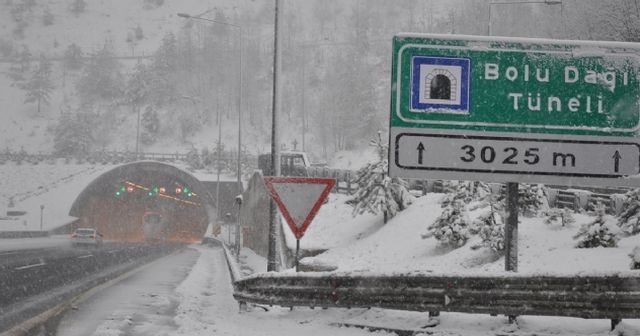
[(420, 152)]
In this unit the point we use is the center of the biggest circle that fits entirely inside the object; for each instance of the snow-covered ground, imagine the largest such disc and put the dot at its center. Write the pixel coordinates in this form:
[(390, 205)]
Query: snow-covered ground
[(364, 244), (189, 293), (54, 186)]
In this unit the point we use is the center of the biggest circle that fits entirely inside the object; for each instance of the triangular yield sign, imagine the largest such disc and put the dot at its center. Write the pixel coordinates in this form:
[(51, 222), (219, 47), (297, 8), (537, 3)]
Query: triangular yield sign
[(299, 198)]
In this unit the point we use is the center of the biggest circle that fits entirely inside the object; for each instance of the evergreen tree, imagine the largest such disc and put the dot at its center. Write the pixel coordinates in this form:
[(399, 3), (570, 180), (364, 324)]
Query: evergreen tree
[(138, 32), (629, 217), (73, 57), (74, 134), (564, 216), (376, 190), (452, 228), (39, 86), (468, 192), (137, 90), (20, 67), (532, 199), (490, 227), (150, 125), (602, 231), (77, 7), (101, 78), (163, 72), (47, 17)]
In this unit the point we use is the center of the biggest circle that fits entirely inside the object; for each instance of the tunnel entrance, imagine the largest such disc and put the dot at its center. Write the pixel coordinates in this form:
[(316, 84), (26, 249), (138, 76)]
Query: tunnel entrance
[(119, 203)]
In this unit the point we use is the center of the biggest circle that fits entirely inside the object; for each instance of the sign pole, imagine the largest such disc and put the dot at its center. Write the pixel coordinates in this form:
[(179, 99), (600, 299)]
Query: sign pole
[(511, 234), (511, 229), (297, 253)]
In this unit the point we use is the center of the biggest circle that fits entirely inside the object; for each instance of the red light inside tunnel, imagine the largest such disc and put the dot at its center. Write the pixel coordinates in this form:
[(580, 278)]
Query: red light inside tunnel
[(163, 190), (178, 190), (130, 189)]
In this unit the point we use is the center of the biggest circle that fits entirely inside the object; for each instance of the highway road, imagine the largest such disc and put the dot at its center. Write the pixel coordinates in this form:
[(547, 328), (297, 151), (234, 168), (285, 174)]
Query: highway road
[(35, 280)]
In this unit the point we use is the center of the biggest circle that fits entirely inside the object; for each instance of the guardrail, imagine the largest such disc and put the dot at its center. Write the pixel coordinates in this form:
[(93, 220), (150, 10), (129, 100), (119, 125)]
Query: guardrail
[(104, 156), (608, 297), (344, 178)]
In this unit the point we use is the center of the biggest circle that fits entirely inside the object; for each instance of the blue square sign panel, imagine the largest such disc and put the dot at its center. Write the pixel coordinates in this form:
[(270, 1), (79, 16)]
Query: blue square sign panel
[(440, 84)]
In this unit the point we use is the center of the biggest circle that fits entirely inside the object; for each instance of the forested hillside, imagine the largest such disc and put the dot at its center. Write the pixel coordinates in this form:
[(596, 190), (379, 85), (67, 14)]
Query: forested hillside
[(189, 79)]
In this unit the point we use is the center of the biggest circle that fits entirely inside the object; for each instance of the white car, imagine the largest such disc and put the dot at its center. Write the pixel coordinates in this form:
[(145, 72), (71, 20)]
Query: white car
[(86, 236)]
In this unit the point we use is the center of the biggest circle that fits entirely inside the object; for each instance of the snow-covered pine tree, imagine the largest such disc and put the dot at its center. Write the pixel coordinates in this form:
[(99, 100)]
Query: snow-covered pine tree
[(635, 258), (78, 7), (490, 228), (468, 192), (39, 85), (73, 57), (602, 231), (150, 124), (452, 227), (629, 216), (74, 134), (377, 192), (563, 216), (532, 199)]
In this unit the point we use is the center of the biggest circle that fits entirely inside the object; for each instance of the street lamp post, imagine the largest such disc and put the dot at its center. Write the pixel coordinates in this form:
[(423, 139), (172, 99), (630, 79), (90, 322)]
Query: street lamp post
[(240, 39), (275, 147), (545, 2), (41, 215), (239, 164), (137, 132)]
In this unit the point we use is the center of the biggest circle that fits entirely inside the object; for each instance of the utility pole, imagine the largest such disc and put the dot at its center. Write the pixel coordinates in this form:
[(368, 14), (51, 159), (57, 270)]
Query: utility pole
[(275, 148)]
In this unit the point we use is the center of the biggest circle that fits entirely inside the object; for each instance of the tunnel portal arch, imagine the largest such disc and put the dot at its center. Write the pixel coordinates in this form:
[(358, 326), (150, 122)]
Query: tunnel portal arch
[(119, 216)]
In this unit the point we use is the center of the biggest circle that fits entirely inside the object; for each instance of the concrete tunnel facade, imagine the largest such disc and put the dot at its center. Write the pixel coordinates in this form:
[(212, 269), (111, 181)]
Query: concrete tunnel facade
[(116, 202)]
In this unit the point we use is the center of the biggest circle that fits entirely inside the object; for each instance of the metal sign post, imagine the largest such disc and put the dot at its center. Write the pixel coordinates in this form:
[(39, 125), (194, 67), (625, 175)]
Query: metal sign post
[(515, 111)]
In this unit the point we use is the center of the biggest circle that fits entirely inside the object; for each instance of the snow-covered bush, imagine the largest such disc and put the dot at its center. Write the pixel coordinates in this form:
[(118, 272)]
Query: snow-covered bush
[(532, 199), (490, 227), (452, 228), (635, 258), (475, 194), (193, 159), (602, 231), (377, 192), (150, 126), (629, 216), (564, 217)]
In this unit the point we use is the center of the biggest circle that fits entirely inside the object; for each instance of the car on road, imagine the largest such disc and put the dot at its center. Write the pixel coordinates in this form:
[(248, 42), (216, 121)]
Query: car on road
[(86, 237)]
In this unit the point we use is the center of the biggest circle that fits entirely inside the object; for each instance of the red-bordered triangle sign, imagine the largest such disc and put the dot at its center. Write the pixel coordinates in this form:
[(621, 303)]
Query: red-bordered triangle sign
[(299, 198)]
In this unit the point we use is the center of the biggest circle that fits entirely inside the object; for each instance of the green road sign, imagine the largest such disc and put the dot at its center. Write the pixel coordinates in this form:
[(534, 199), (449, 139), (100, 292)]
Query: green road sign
[(510, 97)]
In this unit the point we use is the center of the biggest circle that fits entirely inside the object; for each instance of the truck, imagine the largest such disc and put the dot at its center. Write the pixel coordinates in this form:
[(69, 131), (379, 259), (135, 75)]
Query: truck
[(292, 163)]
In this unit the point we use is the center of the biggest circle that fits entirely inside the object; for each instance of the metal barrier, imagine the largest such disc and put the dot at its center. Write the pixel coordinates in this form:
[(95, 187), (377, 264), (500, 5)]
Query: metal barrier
[(609, 297), (344, 178)]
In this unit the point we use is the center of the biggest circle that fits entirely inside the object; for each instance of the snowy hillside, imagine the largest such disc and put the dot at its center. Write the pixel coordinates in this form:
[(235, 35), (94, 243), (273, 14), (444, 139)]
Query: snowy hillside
[(134, 29)]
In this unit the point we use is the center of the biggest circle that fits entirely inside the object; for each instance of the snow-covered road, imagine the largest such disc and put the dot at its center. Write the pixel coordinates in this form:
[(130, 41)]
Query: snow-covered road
[(189, 293)]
